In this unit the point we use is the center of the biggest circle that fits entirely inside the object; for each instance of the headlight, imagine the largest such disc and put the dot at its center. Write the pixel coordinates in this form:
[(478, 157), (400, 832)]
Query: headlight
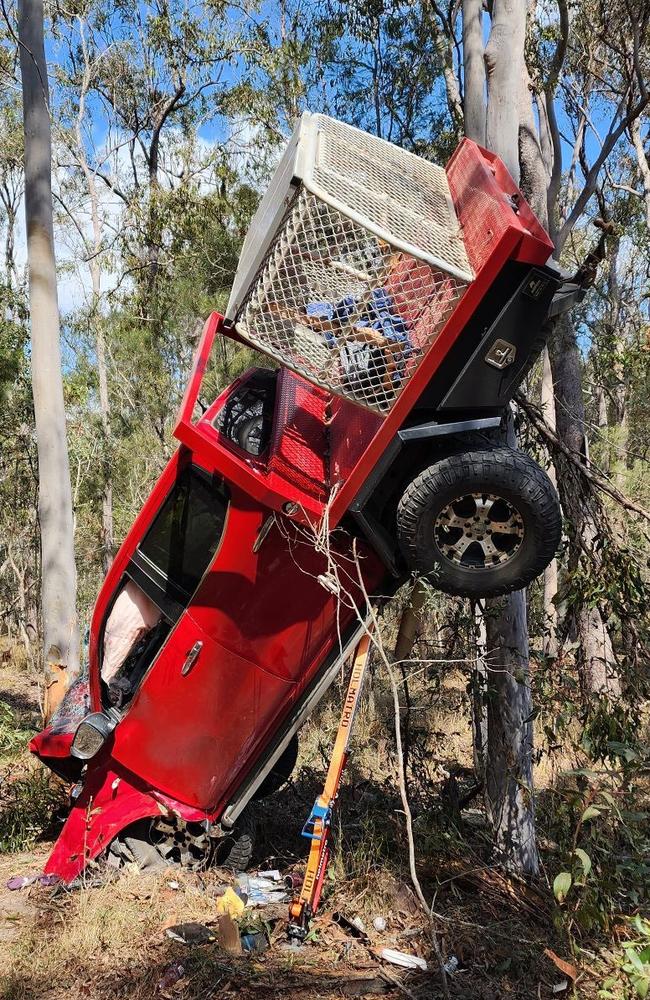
[(91, 735)]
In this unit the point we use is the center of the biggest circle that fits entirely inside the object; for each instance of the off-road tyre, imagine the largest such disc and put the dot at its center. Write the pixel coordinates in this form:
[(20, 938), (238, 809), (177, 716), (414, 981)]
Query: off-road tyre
[(444, 493), (236, 849)]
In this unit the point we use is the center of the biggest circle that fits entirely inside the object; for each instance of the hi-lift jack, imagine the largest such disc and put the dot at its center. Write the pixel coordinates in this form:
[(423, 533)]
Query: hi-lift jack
[(318, 827)]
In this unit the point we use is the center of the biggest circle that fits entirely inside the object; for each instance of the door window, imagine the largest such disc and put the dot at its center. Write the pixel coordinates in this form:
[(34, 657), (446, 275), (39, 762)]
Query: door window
[(187, 529)]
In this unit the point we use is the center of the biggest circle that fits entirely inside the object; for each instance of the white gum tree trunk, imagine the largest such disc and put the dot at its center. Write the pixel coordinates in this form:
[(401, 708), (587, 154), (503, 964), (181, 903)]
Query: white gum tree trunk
[(550, 573), (505, 66), (474, 70), (508, 762), (94, 252), (58, 587)]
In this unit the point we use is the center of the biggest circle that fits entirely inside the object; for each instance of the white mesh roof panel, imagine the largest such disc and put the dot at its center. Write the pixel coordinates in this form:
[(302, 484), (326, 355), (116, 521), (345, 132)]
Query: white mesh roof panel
[(388, 189)]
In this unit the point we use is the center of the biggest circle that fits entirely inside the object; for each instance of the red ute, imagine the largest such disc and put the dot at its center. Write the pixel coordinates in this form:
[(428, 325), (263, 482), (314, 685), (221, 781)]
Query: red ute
[(304, 493)]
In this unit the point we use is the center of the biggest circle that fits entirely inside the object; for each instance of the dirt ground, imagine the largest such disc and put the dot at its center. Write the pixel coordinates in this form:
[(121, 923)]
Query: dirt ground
[(108, 937)]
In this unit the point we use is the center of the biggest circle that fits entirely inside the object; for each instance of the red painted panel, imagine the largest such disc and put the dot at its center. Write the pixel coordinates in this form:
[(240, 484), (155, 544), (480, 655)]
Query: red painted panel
[(107, 804), (298, 451), (188, 735), (266, 624), (268, 607)]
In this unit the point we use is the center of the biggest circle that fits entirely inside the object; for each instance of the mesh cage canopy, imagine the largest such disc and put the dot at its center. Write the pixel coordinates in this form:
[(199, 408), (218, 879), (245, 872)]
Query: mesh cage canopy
[(401, 196), (352, 281)]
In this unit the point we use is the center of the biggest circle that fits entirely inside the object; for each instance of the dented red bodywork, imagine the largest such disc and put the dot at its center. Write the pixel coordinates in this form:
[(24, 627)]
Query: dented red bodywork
[(265, 622)]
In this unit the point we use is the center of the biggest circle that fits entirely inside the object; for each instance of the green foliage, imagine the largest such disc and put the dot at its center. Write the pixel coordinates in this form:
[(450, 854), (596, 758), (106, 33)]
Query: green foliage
[(28, 794), (601, 818), (12, 345), (13, 734), (27, 804), (637, 957)]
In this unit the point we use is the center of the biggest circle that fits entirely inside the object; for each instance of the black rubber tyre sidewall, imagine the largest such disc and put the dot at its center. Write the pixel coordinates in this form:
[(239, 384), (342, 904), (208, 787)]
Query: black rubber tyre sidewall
[(236, 850), (501, 471), (281, 771)]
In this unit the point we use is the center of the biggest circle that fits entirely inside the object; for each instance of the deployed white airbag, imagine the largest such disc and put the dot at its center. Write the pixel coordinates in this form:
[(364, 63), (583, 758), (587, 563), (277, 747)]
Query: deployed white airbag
[(132, 616)]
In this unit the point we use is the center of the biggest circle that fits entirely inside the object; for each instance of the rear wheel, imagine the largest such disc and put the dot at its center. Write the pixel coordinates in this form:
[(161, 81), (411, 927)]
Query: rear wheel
[(481, 523)]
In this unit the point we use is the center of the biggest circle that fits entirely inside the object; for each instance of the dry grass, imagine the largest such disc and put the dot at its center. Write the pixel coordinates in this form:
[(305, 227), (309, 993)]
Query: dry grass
[(109, 940)]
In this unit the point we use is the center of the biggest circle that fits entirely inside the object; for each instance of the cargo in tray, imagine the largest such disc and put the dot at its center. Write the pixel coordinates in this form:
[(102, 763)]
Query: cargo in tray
[(353, 263)]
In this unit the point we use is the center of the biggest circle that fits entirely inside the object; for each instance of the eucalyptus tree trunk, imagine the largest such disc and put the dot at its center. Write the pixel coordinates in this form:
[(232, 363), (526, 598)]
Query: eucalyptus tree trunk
[(408, 625), (58, 586), (595, 654), (505, 66), (105, 412), (479, 689), (508, 762), (617, 330), (643, 165), (474, 70), (550, 573), (107, 534)]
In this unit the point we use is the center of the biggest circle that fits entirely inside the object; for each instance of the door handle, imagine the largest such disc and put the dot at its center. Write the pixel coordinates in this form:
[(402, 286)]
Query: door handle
[(191, 658)]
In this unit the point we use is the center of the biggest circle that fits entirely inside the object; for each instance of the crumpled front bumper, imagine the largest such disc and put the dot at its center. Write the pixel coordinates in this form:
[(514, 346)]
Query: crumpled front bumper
[(108, 802)]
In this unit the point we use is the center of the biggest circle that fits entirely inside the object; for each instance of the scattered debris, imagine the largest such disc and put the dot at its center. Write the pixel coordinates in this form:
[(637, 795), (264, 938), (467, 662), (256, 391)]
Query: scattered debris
[(228, 935), (274, 875), (561, 987), (256, 942), (172, 974), (230, 903), (260, 890), (402, 959), (379, 923), (349, 925), (451, 965), (567, 968), (294, 880), (191, 933), (22, 881)]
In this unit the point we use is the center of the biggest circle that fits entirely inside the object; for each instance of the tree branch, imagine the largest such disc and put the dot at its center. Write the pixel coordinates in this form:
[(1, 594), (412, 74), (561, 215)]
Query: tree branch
[(591, 180), (555, 443)]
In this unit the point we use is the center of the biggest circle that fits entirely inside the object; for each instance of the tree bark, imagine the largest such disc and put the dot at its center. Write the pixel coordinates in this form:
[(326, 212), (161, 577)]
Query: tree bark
[(644, 166), (509, 797), (107, 536), (505, 752), (479, 689), (595, 655), (504, 61), (474, 71), (550, 573), (509, 766), (58, 588), (102, 379), (408, 626), (508, 776)]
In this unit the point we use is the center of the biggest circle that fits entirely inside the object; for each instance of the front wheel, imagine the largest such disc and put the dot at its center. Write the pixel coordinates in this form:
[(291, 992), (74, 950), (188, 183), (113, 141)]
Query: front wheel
[(481, 523)]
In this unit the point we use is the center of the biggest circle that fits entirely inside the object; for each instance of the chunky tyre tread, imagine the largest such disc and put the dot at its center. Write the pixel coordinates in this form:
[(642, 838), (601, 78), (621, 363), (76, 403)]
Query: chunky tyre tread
[(513, 474), (242, 839)]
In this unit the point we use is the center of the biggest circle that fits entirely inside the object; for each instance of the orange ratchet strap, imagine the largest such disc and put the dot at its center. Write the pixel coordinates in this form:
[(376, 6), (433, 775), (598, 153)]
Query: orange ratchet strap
[(319, 824)]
